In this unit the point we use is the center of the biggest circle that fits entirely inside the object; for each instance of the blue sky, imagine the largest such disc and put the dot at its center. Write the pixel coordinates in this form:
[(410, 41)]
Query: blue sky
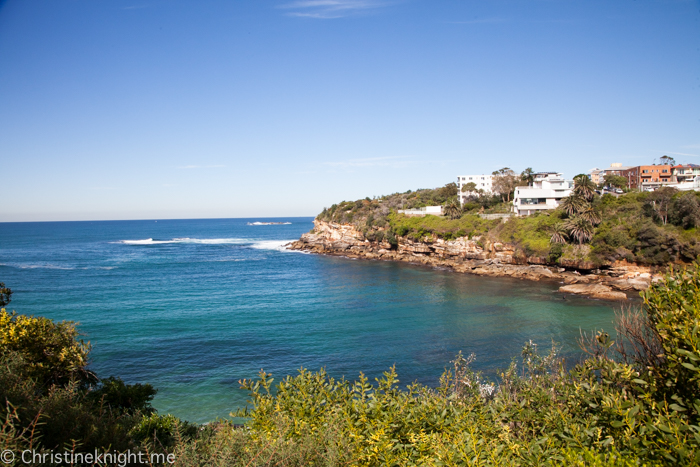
[(138, 109)]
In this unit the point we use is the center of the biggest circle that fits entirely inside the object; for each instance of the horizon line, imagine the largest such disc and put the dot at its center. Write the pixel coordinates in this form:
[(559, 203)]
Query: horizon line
[(163, 219)]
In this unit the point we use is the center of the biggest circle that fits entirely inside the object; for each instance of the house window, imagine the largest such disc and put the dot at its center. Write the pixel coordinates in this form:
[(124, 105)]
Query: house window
[(533, 201)]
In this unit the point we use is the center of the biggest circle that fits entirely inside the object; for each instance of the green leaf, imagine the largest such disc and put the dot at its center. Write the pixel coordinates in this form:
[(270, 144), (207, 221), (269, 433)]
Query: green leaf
[(663, 427)]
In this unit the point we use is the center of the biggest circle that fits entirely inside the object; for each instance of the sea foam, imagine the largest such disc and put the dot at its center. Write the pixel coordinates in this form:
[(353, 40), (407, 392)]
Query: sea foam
[(203, 241), (278, 245)]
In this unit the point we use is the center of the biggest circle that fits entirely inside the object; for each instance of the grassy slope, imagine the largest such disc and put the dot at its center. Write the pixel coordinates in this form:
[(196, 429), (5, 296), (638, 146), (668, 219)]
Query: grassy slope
[(629, 231)]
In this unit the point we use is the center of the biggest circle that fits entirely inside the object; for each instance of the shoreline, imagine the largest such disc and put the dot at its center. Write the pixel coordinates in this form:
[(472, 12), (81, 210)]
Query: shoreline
[(471, 256)]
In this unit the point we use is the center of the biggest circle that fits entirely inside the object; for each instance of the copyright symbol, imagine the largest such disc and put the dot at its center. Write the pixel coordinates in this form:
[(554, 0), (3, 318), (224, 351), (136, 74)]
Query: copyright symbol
[(7, 457)]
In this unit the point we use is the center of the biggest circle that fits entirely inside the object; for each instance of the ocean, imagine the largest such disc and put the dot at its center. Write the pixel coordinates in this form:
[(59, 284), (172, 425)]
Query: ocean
[(193, 306)]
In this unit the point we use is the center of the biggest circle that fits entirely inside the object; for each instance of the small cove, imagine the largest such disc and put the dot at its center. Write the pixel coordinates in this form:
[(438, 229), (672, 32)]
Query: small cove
[(192, 306)]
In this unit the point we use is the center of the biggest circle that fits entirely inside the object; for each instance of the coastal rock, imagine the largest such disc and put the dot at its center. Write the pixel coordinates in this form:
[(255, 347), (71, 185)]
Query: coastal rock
[(577, 264), (480, 256), (415, 248), (599, 291), (612, 295), (584, 289), (629, 284)]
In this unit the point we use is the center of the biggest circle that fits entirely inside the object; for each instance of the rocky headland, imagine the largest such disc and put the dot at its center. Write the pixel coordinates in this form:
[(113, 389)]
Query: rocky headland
[(482, 257)]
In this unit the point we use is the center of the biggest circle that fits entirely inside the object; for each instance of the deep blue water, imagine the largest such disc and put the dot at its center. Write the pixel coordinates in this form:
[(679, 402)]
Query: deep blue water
[(205, 303)]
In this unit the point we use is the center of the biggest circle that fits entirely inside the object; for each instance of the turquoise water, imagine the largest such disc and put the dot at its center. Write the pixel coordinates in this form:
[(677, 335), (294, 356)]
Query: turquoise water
[(192, 306)]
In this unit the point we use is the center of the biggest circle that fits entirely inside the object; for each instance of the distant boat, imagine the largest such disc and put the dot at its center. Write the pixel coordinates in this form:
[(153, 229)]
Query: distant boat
[(269, 223)]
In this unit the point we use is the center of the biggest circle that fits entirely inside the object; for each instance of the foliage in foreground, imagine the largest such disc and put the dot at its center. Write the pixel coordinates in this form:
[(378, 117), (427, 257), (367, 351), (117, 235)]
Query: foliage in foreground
[(50, 400), (631, 402), (634, 400)]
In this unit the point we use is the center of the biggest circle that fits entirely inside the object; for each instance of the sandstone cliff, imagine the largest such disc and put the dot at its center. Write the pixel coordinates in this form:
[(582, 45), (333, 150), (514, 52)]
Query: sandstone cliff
[(477, 256)]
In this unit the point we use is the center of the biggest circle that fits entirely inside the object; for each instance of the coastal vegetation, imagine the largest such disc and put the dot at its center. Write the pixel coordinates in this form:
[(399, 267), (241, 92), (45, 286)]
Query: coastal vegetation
[(654, 229), (634, 399)]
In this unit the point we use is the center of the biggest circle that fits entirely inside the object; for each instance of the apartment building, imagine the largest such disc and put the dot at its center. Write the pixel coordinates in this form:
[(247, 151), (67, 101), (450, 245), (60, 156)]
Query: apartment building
[(655, 173), (596, 175), (482, 182)]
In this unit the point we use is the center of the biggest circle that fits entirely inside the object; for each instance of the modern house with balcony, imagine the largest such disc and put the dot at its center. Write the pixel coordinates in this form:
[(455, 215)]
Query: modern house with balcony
[(546, 192), (685, 172)]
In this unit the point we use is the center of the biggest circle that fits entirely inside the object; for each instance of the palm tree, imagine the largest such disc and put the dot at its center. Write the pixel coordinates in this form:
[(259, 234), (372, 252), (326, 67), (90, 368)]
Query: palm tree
[(584, 187), (528, 175), (453, 210), (559, 234), (573, 204), (579, 229), (591, 215)]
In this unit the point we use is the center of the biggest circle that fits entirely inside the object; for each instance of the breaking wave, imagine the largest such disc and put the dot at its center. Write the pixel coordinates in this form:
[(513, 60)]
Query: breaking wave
[(36, 266), (278, 245), (202, 241)]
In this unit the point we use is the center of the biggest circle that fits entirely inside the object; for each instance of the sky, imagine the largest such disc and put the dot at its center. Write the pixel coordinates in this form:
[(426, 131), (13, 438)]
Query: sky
[(152, 109)]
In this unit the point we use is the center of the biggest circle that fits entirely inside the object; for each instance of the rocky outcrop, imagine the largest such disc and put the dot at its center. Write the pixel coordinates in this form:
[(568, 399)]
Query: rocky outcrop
[(478, 256), (600, 291)]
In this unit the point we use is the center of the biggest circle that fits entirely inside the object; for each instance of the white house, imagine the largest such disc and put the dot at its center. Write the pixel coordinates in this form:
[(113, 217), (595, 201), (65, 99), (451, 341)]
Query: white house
[(692, 184), (689, 184), (546, 192), (482, 182)]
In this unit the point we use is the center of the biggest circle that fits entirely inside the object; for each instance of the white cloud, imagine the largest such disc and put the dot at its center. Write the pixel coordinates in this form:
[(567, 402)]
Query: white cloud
[(329, 9), (683, 154)]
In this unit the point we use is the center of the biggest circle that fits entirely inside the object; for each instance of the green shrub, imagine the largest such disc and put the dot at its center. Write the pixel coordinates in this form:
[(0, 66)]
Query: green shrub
[(50, 399), (127, 398), (162, 431), (52, 352)]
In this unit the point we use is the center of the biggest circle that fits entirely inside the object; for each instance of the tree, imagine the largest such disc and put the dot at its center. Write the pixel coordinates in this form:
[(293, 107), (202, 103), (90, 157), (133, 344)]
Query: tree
[(686, 211), (559, 233), (528, 176), (660, 202), (446, 192), (579, 229), (504, 182), (617, 181), (469, 187), (591, 215), (667, 160), (573, 204), (584, 187), (453, 210), (5, 295)]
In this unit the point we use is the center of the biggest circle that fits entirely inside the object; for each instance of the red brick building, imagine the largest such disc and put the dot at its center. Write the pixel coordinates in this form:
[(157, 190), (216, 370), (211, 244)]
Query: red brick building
[(647, 174), (632, 176)]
